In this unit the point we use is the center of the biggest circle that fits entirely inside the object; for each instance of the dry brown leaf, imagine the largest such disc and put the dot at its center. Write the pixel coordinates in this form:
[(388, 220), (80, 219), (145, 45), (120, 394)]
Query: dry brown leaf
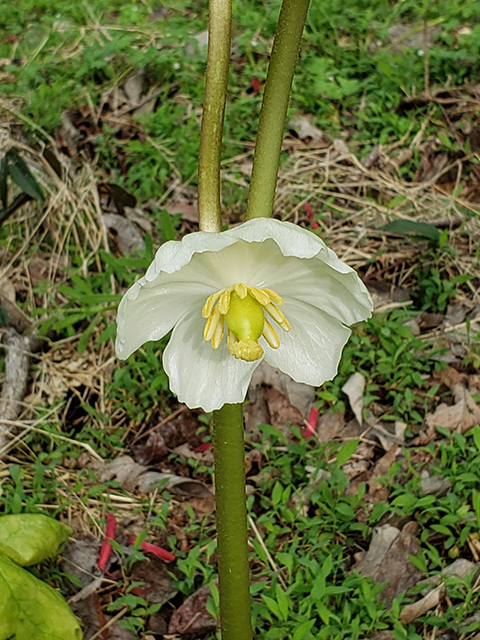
[(135, 476), (376, 491), (387, 560), (304, 129), (330, 426), (461, 416), (188, 210), (354, 389), (460, 568), (127, 237), (192, 616), (301, 396), (413, 611)]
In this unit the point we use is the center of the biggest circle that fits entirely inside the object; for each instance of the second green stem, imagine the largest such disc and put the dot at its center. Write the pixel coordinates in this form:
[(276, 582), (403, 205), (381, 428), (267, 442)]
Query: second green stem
[(233, 571), (274, 109)]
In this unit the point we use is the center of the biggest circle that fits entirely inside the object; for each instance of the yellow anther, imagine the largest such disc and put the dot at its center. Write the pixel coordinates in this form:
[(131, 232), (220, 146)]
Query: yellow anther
[(240, 289), (274, 296), (278, 316), (218, 335), (224, 302), (270, 335), (242, 309), (211, 326), (210, 303), (260, 295)]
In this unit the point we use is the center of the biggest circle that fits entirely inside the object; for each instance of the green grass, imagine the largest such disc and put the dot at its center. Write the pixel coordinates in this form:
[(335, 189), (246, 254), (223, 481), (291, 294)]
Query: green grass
[(350, 75)]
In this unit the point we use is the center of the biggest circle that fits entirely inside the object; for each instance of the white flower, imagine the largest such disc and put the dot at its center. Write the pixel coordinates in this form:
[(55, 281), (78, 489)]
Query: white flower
[(216, 289)]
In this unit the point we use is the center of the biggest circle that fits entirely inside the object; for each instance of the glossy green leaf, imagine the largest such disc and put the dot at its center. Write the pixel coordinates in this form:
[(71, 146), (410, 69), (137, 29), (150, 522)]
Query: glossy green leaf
[(22, 176), (421, 230), (31, 609), (31, 537), (3, 181)]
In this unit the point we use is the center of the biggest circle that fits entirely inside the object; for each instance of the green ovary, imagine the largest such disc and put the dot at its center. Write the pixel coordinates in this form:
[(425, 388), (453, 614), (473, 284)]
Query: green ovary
[(242, 309), (245, 317)]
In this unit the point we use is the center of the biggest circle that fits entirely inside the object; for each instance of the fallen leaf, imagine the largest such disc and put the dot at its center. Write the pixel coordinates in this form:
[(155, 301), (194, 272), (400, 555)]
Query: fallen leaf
[(134, 476), (192, 616), (126, 235), (461, 416), (377, 492), (354, 389), (304, 129), (301, 396), (435, 485), (460, 568), (330, 426), (413, 611), (133, 86), (387, 560)]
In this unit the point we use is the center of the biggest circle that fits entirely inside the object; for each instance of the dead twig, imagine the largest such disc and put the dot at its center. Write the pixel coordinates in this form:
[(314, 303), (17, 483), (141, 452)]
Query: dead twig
[(17, 363)]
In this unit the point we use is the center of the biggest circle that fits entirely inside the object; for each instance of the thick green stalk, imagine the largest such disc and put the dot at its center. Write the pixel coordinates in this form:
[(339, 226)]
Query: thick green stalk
[(274, 108), (219, 38), (233, 572)]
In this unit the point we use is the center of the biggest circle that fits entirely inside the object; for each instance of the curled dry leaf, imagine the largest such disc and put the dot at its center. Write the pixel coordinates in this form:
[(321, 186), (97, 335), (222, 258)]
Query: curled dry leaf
[(387, 560), (354, 389), (134, 476), (304, 129), (460, 568), (461, 416), (127, 236), (192, 616), (300, 396)]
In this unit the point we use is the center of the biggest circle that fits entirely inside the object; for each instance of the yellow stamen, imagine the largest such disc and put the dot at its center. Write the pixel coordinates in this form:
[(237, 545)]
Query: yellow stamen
[(224, 302), (242, 309), (240, 289), (270, 335), (260, 295), (210, 303), (218, 335), (278, 316), (211, 326), (274, 296)]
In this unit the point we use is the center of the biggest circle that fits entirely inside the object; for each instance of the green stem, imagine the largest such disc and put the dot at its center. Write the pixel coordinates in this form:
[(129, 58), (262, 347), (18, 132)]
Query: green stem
[(233, 572), (219, 38), (274, 108)]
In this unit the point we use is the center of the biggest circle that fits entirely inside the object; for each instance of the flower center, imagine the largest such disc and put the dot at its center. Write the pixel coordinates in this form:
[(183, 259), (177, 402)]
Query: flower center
[(242, 309)]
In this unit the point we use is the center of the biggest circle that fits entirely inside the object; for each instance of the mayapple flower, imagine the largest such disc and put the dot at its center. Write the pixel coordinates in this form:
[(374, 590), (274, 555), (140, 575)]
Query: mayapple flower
[(265, 290)]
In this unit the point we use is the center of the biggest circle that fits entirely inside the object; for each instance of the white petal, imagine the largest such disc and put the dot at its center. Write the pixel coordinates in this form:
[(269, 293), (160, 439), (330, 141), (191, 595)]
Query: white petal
[(291, 239), (342, 295), (199, 375), (149, 310), (311, 350)]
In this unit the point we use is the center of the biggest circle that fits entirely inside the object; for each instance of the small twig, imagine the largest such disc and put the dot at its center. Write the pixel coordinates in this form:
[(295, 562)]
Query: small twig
[(160, 424), (271, 561), (119, 615)]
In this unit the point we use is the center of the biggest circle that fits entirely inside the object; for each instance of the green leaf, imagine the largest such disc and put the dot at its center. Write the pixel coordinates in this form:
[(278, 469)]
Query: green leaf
[(31, 537), (347, 451), (476, 436), (3, 181), (303, 629), (421, 230), (21, 175), (31, 609)]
